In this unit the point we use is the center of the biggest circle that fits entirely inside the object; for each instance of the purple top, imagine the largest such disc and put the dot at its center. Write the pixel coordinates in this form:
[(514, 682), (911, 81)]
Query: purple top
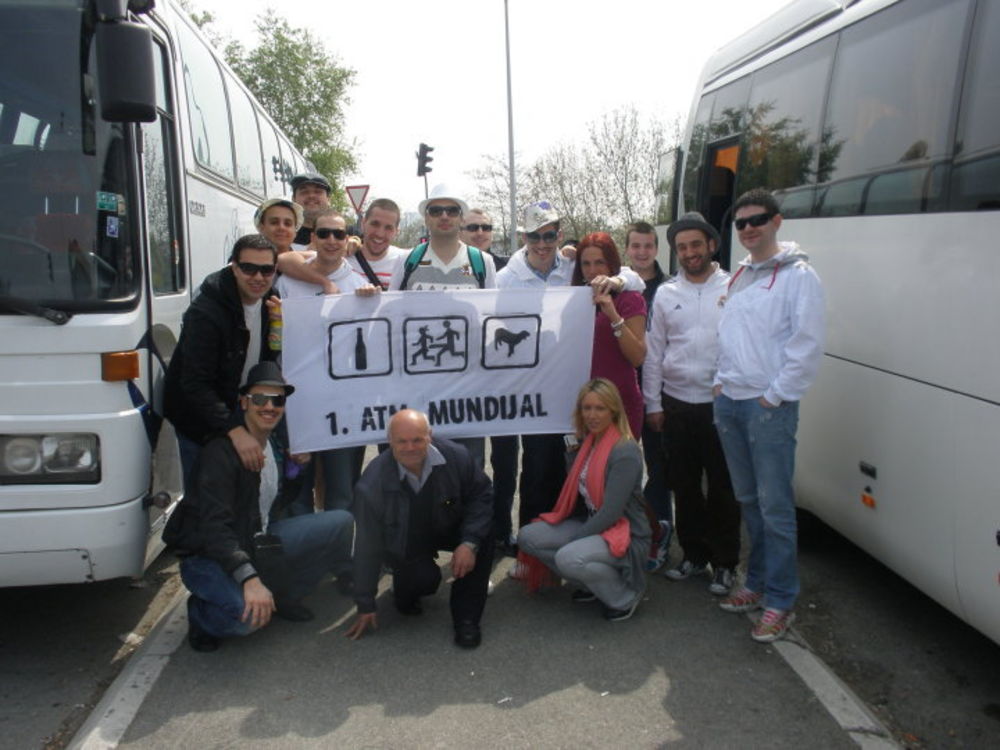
[(609, 362)]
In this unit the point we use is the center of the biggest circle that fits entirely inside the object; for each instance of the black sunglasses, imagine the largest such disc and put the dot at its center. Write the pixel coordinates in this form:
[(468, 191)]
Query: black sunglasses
[(438, 210), (261, 399), (757, 220), (253, 268), (477, 227), (325, 232), (542, 236)]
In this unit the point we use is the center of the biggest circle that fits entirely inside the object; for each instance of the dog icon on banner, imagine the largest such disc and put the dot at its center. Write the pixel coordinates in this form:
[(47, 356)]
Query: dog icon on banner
[(511, 341), (436, 344)]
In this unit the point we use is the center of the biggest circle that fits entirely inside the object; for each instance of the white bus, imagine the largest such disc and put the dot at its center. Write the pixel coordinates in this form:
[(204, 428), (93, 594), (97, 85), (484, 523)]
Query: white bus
[(877, 124), (131, 158)]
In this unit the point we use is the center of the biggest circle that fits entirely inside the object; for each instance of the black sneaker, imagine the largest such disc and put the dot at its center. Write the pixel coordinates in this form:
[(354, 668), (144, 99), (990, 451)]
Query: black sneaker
[(685, 570), (582, 595), (411, 607), (294, 612), (198, 639), (615, 615), (467, 634)]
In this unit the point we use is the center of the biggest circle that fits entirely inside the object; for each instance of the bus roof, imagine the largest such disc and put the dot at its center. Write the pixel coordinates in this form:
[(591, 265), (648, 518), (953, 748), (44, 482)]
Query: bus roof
[(794, 19)]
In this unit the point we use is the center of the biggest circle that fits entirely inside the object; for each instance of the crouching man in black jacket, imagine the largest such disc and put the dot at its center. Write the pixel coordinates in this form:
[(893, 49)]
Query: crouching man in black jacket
[(244, 557), (420, 497)]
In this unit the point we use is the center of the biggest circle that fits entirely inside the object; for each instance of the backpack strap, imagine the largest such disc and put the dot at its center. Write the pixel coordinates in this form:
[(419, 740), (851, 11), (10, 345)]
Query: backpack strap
[(478, 265), (412, 261), (366, 267)]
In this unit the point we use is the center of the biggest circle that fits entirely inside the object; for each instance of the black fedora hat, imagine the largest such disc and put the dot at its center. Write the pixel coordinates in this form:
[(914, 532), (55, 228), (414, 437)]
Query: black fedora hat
[(266, 373), (692, 220)]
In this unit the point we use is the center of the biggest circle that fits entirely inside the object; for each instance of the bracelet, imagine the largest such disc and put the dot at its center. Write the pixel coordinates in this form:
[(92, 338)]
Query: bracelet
[(619, 324)]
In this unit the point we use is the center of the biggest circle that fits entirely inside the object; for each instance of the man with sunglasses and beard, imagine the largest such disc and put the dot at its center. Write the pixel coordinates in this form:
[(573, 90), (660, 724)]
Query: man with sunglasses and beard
[(244, 555), (770, 346), (224, 334)]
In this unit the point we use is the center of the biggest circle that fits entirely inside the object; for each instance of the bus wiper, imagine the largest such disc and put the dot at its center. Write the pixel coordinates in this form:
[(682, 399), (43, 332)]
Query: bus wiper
[(27, 307)]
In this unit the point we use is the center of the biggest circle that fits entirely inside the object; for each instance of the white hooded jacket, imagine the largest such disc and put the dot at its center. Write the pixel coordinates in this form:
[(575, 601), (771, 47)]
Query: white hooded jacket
[(682, 343), (772, 328)]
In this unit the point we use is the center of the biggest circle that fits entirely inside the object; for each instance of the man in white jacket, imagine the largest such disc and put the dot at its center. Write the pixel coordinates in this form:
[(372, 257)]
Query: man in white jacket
[(770, 346), (682, 346)]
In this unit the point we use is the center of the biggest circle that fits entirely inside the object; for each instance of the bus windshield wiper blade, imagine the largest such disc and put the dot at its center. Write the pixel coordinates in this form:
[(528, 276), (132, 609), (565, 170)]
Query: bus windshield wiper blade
[(27, 307)]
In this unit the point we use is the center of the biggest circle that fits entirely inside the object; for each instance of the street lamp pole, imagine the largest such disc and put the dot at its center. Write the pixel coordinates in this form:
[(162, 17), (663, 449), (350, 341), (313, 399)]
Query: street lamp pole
[(510, 141)]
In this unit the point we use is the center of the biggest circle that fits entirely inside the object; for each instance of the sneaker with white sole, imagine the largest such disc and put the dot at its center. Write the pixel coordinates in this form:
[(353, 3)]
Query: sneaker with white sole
[(722, 581), (685, 570), (660, 549), (772, 625), (742, 600), (518, 572)]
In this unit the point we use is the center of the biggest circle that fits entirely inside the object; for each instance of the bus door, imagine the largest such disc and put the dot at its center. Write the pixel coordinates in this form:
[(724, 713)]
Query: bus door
[(167, 287), (718, 191)]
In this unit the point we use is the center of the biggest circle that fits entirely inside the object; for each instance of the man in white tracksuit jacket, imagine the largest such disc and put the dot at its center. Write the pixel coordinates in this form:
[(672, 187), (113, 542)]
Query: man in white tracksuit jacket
[(682, 346), (770, 346)]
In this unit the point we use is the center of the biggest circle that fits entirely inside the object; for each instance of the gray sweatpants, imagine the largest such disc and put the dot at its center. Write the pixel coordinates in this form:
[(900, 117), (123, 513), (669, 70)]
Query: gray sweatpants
[(586, 562)]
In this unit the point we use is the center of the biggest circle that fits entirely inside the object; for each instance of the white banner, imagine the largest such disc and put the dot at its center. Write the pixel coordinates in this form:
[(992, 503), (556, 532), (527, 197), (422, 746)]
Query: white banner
[(482, 362)]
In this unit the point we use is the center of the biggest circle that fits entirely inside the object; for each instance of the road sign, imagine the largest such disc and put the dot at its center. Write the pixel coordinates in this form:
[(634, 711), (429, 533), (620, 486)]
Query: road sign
[(357, 194)]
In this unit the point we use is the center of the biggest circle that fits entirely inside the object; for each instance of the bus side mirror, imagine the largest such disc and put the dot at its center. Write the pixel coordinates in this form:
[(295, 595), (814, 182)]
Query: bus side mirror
[(125, 71)]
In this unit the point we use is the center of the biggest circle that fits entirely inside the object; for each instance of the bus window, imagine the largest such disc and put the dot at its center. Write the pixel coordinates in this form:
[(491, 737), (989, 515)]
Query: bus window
[(783, 122), (891, 96), (976, 176), (696, 152), (166, 256), (248, 161), (207, 108), (273, 175)]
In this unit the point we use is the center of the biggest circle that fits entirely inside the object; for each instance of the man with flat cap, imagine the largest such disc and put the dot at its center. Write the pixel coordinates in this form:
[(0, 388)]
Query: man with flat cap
[(423, 495), (243, 557), (310, 190)]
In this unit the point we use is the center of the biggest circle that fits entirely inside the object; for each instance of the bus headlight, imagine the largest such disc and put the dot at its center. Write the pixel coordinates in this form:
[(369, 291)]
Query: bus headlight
[(64, 458)]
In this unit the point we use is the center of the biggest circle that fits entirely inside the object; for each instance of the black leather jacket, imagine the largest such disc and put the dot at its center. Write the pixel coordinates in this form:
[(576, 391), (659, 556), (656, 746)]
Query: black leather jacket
[(203, 379), (221, 513), (463, 512)]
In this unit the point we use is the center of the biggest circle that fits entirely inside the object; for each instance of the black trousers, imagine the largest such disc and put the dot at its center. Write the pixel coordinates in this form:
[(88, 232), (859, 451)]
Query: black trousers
[(708, 525), (420, 576), (543, 471), (503, 460)]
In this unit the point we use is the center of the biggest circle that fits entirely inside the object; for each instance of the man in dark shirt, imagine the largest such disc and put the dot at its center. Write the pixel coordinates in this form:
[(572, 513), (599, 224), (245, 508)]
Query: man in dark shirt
[(421, 496)]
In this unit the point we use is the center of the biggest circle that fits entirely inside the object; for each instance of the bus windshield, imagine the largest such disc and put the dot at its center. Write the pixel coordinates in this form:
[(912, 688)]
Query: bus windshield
[(66, 226)]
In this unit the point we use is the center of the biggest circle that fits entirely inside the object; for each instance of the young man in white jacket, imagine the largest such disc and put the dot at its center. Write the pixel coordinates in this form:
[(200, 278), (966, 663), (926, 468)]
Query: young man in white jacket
[(682, 345), (770, 346)]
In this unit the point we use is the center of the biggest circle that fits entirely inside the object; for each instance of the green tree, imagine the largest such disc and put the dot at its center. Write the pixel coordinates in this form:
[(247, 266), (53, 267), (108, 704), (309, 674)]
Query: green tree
[(302, 86)]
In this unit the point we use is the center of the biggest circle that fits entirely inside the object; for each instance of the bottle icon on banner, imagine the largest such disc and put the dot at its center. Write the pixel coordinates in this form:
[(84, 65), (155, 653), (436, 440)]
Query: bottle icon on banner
[(360, 352)]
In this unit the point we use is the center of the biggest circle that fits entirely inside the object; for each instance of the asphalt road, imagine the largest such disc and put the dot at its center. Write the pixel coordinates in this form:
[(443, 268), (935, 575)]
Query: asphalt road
[(678, 668)]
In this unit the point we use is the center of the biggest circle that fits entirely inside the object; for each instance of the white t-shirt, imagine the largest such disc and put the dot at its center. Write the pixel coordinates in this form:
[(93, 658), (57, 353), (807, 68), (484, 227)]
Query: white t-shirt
[(384, 267), (344, 277), (268, 485), (251, 314)]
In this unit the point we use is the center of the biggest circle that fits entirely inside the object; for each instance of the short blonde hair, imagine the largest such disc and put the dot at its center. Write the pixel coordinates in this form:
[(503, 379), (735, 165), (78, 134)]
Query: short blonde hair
[(608, 393)]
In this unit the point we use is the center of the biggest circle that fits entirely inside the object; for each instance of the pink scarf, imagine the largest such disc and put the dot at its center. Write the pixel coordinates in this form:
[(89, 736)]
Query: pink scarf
[(617, 536)]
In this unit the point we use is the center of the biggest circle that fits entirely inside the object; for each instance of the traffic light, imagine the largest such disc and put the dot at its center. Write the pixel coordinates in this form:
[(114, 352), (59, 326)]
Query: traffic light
[(423, 159)]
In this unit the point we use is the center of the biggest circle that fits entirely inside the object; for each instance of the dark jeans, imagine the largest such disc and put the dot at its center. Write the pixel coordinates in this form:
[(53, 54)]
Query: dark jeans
[(657, 489), (341, 470), (543, 471), (421, 576), (315, 545), (503, 460), (708, 526)]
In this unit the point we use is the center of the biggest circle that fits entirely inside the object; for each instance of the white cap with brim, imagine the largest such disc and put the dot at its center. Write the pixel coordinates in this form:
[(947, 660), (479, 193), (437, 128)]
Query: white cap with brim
[(538, 215), (442, 192), (258, 217)]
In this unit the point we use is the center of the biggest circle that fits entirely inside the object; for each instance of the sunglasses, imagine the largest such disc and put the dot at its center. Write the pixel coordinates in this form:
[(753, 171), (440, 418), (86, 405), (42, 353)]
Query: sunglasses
[(542, 236), (757, 220), (477, 227), (261, 399), (325, 232), (251, 269), (436, 211)]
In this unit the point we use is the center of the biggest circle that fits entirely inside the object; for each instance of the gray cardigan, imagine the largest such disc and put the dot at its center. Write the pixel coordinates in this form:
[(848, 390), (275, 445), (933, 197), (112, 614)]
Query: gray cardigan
[(623, 497)]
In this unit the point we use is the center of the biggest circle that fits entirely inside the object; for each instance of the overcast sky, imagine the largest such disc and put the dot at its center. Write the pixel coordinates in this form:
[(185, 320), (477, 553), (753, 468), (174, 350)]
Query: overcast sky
[(434, 71)]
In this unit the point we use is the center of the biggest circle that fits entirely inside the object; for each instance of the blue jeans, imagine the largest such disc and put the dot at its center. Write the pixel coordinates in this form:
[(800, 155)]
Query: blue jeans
[(759, 444), (314, 545), (341, 469)]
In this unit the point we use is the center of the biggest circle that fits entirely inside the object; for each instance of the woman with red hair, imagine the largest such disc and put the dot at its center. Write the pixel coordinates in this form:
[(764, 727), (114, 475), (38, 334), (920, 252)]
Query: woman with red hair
[(619, 324)]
